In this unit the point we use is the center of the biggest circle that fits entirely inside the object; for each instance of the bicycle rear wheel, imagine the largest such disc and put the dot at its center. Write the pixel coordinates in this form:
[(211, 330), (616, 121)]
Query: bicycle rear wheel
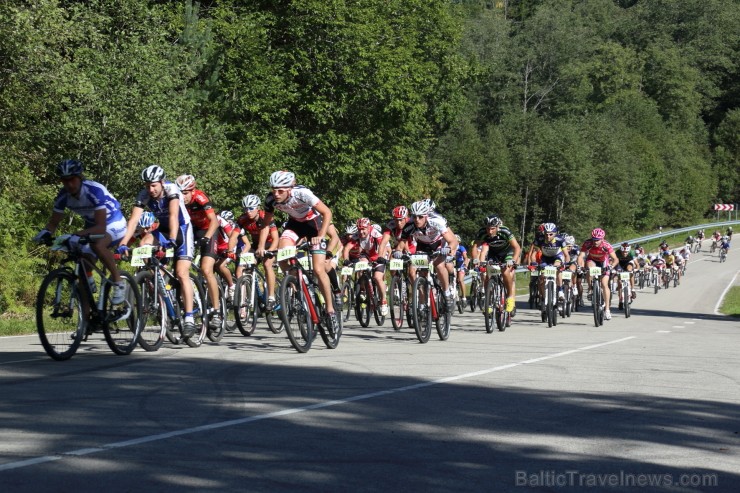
[(473, 299), (395, 302), (123, 322), (329, 335), (296, 319), (153, 312), (215, 334), (60, 319), (499, 311), (420, 308)]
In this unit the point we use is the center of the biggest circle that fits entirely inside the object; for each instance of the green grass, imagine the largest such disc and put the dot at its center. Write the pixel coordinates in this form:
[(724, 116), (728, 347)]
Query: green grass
[(17, 324), (731, 304)]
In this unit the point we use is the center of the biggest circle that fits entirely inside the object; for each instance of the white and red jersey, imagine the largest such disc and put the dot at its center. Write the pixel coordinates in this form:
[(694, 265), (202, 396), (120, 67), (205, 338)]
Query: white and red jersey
[(430, 234), (600, 253), (225, 228), (369, 246), (299, 205), (392, 230)]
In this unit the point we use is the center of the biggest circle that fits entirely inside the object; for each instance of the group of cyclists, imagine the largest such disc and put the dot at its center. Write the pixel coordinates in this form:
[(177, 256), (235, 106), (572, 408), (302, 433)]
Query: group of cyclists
[(181, 217)]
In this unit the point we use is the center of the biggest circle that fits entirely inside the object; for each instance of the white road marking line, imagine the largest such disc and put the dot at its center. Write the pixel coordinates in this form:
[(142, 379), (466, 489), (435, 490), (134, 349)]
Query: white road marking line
[(286, 412), (722, 296), (663, 331), (679, 327)]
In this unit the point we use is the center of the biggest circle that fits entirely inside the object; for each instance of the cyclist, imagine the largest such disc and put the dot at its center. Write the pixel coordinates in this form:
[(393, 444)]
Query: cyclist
[(725, 244), (461, 267), (308, 217), (729, 233), (253, 221), (102, 215), (554, 252), (628, 262), (670, 262), (368, 239), (498, 244), (572, 265), (205, 226), (393, 230), (227, 239), (664, 248), (597, 252), (175, 231), (431, 233)]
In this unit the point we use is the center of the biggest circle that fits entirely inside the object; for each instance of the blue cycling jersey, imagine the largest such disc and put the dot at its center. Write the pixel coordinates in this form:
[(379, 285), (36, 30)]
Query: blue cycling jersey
[(93, 196)]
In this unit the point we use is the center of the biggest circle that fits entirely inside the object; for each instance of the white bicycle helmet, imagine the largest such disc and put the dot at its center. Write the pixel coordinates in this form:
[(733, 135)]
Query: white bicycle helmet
[(282, 179), (351, 229), (147, 219), (421, 208), (185, 182), (251, 201), (152, 173)]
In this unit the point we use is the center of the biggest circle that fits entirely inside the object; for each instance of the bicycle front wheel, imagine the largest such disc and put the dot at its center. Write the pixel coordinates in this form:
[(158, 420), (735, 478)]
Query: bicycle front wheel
[(420, 308), (444, 317), (123, 322), (244, 306), (60, 318), (199, 310), (395, 302), (153, 312), (488, 305), (362, 303), (297, 320)]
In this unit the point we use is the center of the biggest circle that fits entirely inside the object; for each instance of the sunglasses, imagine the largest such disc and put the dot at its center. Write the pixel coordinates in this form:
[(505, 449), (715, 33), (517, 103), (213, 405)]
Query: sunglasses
[(250, 209)]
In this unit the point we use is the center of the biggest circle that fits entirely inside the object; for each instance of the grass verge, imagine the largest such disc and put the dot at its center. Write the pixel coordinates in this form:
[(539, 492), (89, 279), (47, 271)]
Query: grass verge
[(17, 324), (731, 304)]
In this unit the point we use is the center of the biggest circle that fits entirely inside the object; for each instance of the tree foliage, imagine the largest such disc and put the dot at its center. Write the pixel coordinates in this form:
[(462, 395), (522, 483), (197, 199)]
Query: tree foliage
[(584, 112)]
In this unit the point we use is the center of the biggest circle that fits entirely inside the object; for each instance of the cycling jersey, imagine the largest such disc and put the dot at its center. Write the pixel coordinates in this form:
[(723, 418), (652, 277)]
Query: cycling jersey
[(160, 207), (198, 209), (392, 230), (225, 228), (368, 246), (625, 260), (497, 244), (254, 226), (551, 248), (429, 235), (460, 257), (299, 205), (93, 197), (597, 253)]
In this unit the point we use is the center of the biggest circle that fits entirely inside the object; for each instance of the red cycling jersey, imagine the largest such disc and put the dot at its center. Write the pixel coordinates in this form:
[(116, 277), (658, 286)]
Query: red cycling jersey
[(198, 209), (369, 246), (253, 227), (600, 253)]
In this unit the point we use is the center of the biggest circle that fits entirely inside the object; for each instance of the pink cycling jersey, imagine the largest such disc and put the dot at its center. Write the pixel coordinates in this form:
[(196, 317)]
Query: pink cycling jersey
[(596, 253)]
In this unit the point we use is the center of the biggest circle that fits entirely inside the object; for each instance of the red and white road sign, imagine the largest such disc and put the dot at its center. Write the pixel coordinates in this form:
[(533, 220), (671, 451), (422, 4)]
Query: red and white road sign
[(724, 207)]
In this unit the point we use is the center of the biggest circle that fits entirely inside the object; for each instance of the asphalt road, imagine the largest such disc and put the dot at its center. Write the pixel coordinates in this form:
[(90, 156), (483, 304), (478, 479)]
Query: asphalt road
[(649, 403)]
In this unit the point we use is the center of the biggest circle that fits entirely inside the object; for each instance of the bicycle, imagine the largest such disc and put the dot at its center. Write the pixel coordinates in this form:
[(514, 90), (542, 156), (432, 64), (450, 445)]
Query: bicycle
[(550, 313), (348, 292), (722, 255), (494, 305), (569, 297), (367, 299), (597, 297), (534, 290), (428, 302), (67, 311), (250, 298), (303, 309), (398, 293), (625, 292), (476, 289), (162, 306)]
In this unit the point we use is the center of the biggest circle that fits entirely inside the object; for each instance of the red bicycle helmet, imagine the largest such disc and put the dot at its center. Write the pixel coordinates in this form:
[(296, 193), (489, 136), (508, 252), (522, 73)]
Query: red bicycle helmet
[(598, 234)]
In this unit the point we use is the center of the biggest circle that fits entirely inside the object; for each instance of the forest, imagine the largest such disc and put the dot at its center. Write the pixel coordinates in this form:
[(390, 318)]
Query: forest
[(614, 113)]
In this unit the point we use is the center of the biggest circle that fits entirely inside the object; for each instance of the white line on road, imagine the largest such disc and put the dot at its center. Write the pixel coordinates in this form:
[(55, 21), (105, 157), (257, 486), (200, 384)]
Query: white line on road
[(286, 412)]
